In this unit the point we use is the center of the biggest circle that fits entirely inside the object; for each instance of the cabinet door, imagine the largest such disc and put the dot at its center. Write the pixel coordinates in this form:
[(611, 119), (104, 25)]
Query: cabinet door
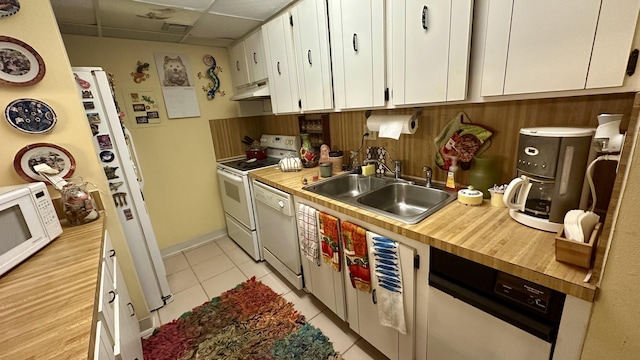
[(311, 41), (357, 45), (130, 343), (106, 301), (255, 57), (103, 348), (239, 73), (431, 42), (387, 340), (283, 83), (538, 45)]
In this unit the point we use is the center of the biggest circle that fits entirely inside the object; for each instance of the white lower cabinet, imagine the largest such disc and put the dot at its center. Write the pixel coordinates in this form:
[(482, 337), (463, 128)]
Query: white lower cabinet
[(360, 309), (118, 331), (104, 346)]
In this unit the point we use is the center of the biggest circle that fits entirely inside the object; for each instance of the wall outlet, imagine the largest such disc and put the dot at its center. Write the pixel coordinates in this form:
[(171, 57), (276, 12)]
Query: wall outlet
[(372, 134)]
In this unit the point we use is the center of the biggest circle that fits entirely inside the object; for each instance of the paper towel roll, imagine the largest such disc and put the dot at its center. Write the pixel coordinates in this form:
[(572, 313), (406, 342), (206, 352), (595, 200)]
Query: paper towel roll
[(391, 126)]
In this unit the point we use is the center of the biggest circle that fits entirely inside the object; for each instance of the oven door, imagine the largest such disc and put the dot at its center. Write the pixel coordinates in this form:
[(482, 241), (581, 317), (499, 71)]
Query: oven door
[(236, 197)]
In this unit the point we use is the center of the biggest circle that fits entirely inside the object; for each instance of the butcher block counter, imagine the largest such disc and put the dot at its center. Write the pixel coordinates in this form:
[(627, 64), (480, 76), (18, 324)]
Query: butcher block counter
[(484, 234), (48, 302)]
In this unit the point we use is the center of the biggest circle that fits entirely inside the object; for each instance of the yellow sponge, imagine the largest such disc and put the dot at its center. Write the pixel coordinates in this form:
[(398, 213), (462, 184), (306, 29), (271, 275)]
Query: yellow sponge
[(369, 170)]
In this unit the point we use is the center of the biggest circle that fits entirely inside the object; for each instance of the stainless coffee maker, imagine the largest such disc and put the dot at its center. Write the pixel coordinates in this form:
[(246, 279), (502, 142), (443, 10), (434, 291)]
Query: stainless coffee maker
[(550, 169)]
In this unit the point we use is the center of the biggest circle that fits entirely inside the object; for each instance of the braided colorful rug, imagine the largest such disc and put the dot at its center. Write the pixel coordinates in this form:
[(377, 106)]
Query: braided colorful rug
[(248, 322)]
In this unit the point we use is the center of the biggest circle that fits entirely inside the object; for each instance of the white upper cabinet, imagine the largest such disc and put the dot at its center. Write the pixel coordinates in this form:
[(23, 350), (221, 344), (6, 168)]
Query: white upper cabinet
[(248, 61), (357, 51), (255, 57), (281, 67), (311, 42), (547, 45), (429, 52), (239, 71)]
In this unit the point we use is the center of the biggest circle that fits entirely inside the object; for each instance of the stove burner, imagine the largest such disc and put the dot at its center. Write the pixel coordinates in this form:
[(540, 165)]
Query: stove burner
[(243, 165)]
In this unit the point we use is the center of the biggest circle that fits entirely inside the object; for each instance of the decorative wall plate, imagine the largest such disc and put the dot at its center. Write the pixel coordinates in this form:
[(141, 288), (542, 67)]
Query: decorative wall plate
[(20, 64), (43, 153), (30, 115), (9, 7)]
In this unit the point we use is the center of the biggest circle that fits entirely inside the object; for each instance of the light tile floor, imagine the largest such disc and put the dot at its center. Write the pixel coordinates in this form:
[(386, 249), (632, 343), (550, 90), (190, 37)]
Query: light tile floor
[(199, 274)]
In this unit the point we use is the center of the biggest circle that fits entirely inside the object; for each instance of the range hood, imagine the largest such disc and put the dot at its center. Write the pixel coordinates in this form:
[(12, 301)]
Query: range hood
[(253, 92)]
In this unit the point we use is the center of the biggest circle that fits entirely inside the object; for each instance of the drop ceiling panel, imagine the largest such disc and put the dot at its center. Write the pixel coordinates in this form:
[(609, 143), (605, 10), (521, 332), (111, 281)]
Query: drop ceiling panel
[(222, 27), (75, 29), (141, 35), (199, 5), (74, 11), (128, 14), (249, 9), (207, 42)]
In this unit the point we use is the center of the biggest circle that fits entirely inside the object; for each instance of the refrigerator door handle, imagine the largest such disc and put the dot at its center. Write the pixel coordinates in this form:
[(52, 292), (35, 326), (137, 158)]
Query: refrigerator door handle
[(134, 156)]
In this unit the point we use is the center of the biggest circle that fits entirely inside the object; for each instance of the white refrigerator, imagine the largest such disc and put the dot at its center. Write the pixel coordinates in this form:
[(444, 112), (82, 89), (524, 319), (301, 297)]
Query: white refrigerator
[(116, 153)]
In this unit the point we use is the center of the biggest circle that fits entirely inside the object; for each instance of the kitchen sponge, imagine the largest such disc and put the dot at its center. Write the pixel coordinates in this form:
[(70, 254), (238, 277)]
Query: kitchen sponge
[(368, 170)]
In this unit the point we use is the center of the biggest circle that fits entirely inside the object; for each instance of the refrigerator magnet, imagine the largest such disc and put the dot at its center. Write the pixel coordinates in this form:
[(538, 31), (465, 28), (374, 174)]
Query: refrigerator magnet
[(127, 214), (107, 156), (104, 141)]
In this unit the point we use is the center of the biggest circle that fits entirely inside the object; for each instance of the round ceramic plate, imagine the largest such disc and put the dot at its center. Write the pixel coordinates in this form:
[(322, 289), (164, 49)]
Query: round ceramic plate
[(30, 115), (43, 153), (9, 7), (20, 64)]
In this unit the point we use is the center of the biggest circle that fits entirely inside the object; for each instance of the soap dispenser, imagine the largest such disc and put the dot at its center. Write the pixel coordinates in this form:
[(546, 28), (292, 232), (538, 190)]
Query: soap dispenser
[(451, 174)]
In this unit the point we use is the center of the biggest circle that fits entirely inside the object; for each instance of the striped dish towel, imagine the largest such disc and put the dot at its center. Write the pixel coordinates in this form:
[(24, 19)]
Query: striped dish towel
[(308, 235)]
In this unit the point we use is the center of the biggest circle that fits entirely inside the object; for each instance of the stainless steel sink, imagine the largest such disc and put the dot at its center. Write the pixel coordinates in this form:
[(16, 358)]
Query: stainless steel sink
[(347, 186), (405, 202), (397, 199)]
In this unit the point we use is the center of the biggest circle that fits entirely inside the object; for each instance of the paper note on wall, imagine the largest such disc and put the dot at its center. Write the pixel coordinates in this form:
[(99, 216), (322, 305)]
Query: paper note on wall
[(181, 102)]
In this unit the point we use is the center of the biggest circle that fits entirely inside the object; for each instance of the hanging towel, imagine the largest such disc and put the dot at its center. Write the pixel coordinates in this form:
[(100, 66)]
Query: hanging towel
[(308, 236), (354, 239), (388, 281), (330, 237)]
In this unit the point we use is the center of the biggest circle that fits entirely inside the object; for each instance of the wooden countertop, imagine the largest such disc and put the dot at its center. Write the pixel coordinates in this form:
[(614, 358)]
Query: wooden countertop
[(48, 302), (484, 234)]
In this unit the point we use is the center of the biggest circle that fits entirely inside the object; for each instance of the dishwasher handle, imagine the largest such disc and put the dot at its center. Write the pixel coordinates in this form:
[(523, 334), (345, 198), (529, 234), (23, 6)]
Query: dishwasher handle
[(538, 328)]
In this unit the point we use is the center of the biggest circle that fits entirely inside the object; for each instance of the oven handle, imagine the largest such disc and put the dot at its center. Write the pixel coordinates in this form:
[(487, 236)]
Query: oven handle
[(230, 176)]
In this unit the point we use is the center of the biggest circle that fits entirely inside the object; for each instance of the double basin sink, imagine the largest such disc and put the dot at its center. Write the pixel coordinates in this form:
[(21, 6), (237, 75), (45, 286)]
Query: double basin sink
[(396, 199)]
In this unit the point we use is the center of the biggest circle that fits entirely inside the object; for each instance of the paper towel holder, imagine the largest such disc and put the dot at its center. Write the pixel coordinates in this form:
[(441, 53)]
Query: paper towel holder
[(417, 113)]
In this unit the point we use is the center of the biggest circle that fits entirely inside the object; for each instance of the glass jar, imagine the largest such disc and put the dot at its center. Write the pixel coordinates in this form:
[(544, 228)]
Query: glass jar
[(78, 204)]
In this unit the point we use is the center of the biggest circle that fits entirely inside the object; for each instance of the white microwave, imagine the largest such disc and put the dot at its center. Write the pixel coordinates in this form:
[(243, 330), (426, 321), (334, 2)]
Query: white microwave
[(28, 222)]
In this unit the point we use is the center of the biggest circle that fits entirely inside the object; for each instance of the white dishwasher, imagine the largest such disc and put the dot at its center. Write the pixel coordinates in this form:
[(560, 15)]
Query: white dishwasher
[(276, 218)]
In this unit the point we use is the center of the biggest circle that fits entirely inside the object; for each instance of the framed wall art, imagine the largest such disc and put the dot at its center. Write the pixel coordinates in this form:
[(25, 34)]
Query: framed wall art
[(20, 64)]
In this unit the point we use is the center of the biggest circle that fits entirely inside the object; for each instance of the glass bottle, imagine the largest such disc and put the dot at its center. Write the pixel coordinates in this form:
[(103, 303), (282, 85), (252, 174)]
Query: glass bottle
[(79, 207)]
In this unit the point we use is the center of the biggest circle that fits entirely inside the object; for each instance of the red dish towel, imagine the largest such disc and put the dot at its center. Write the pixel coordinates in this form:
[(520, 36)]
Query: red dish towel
[(330, 237), (354, 238)]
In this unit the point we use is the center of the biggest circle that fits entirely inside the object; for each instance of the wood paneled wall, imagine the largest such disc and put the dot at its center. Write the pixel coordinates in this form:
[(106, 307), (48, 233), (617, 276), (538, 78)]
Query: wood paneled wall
[(504, 118)]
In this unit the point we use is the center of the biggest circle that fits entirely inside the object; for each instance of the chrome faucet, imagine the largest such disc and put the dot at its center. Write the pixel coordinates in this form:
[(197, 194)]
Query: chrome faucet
[(428, 174), (396, 163)]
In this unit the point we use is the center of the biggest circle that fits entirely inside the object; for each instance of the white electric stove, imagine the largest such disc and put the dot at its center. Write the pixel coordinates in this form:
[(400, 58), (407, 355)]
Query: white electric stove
[(237, 191)]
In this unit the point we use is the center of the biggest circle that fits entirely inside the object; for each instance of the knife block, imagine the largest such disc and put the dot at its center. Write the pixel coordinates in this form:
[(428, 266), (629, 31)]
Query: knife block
[(577, 253)]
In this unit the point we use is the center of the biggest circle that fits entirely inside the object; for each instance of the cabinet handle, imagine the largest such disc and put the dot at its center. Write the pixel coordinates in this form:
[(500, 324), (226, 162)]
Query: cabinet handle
[(355, 42), (374, 298), (113, 296), (112, 253), (238, 65), (254, 58), (278, 67), (309, 56), (425, 14), (131, 308)]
